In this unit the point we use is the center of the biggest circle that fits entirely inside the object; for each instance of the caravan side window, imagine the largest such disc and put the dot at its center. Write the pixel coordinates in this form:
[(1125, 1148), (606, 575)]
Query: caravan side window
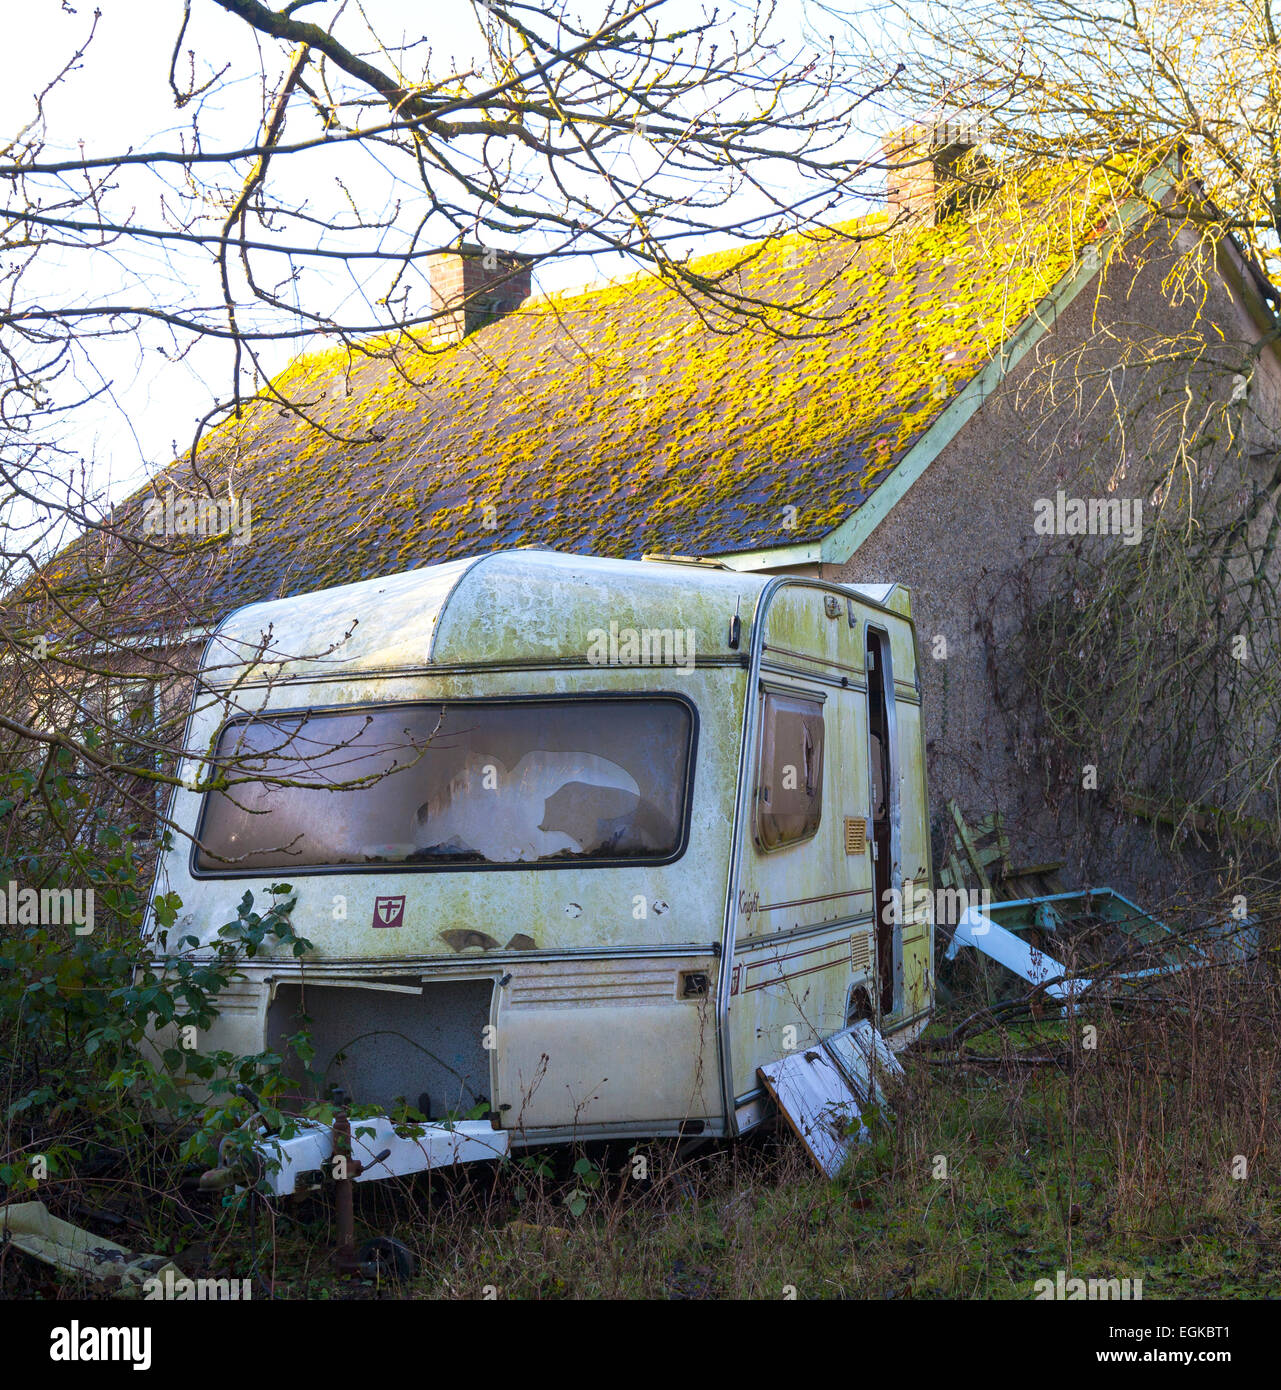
[(789, 787)]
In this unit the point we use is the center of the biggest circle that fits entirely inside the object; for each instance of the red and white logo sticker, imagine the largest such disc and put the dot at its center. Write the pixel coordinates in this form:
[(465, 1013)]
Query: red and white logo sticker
[(389, 912)]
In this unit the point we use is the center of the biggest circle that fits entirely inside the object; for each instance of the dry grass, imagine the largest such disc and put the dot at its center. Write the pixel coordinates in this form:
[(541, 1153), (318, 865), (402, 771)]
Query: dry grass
[(1020, 1154)]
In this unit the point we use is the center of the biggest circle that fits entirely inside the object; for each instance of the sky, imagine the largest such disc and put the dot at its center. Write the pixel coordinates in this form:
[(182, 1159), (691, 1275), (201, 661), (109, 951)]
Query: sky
[(147, 394), (118, 98)]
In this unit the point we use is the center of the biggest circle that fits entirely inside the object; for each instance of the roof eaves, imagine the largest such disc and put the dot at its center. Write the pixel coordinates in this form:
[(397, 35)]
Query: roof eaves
[(1240, 269), (774, 557)]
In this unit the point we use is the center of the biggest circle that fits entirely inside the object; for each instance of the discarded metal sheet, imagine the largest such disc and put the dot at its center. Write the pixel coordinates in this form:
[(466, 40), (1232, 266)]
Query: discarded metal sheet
[(32, 1229), (1103, 907), (818, 1103), (864, 1057), (1233, 941), (1099, 929), (311, 1149), (1055, 914), (980, 931)]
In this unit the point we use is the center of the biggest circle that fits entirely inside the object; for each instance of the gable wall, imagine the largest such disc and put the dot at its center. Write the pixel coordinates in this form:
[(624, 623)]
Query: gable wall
[(963, 534)]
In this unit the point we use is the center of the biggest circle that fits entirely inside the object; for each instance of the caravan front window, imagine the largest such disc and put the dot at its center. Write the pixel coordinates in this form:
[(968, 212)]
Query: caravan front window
[(454, 785)]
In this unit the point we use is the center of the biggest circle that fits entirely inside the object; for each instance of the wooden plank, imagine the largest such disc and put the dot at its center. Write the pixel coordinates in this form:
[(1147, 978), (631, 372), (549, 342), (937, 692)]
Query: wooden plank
[(1003, 840), (967, 840), (817, 1102), (1034, 869), (1202, 817)]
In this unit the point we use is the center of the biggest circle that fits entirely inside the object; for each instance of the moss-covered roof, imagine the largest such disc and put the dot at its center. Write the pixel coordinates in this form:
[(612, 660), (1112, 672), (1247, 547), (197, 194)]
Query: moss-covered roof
[(628, 418)]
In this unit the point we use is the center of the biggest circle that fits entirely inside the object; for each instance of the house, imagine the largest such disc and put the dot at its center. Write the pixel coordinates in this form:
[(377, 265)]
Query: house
[(936, 395)]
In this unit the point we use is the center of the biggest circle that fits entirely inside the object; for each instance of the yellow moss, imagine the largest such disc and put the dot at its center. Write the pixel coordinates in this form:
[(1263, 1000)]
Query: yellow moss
[(609, 411)]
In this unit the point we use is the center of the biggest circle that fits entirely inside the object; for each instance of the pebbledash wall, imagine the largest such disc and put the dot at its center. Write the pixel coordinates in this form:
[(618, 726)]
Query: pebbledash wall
[(966, 527)]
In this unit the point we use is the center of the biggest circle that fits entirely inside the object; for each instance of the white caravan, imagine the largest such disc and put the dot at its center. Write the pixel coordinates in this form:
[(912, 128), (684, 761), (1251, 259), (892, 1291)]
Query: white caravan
[(580, 843)]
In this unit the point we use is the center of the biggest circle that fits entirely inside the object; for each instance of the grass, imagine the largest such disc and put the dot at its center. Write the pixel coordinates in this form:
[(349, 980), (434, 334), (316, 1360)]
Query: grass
[(1019, 1154)]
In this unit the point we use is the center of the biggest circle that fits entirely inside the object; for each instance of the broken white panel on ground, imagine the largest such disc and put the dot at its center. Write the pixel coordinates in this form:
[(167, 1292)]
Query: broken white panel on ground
[(31, 1227), (864, 1057), (818, 1103), (978, 930), (426, 1146)]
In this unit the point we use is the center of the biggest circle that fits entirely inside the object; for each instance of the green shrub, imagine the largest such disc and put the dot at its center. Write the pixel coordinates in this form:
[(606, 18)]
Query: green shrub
[(77, 1007)]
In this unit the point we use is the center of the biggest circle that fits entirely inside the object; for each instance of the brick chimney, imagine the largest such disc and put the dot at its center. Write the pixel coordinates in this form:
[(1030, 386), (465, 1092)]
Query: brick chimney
[(472, 286), (921, 162)]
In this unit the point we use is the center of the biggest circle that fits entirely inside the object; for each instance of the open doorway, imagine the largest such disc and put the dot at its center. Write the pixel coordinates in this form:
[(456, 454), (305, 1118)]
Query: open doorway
[(882, 766)]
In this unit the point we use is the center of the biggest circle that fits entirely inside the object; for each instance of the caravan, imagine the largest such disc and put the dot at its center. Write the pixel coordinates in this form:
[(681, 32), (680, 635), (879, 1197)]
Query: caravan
[(581, 844)]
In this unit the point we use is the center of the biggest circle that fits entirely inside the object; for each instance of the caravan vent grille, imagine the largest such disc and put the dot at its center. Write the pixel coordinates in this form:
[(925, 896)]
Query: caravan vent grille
[(861, 952), (855, 835)]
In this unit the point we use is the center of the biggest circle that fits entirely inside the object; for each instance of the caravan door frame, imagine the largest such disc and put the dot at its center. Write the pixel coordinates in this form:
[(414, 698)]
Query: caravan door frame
[(736, 1122), (894, 810)]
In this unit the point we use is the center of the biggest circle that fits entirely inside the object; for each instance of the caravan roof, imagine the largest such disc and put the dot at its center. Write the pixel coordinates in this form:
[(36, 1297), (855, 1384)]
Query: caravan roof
[(510, 607)]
